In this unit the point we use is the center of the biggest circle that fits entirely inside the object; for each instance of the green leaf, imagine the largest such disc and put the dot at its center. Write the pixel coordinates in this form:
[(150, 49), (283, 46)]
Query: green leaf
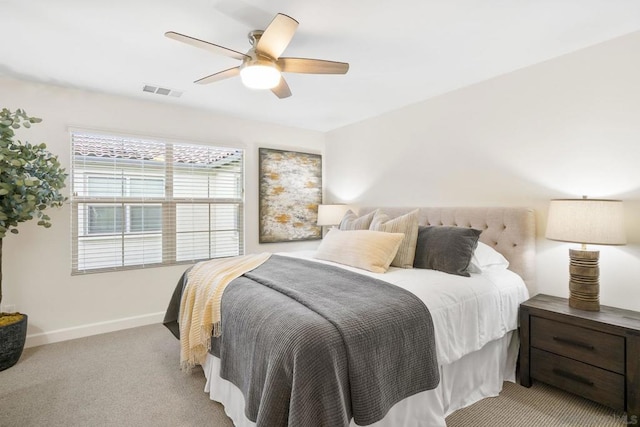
[(31, 176)]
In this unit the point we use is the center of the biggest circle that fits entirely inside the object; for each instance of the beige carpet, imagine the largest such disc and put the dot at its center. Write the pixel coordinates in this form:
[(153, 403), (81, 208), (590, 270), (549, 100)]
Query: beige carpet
[(131, 378), (126, 378), (540, 405)]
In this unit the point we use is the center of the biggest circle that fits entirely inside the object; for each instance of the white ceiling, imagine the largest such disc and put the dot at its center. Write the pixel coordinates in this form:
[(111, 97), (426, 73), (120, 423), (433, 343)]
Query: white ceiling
[(400, 52)]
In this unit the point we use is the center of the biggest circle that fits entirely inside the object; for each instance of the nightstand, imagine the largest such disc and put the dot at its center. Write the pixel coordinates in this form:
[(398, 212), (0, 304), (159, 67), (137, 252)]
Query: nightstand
[(593, 354)]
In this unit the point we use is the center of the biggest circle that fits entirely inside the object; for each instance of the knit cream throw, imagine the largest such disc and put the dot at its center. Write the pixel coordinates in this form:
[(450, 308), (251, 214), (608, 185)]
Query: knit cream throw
[(200, 304)]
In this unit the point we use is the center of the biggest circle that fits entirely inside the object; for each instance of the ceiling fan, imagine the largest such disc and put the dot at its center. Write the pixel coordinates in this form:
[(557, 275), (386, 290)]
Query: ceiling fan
[(262, 65)]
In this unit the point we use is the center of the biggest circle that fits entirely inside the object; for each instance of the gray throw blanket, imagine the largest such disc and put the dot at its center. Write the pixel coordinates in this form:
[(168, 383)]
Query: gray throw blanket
[(314, 345)]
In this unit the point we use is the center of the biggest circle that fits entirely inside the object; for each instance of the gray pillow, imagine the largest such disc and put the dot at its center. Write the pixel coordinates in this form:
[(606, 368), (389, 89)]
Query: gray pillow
[(447, 249)]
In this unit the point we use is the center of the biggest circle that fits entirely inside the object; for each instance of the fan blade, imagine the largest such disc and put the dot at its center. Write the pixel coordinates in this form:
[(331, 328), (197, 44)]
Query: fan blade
[(282, 90), (312, 66), (205, 45), (277, 36), (231, 72)]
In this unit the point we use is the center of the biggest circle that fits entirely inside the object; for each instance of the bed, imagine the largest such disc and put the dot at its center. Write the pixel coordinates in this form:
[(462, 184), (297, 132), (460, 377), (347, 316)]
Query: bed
[(474, 321)]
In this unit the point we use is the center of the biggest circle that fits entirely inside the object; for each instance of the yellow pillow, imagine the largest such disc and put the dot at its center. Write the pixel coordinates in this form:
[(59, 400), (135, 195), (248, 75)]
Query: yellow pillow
[(366, 249)]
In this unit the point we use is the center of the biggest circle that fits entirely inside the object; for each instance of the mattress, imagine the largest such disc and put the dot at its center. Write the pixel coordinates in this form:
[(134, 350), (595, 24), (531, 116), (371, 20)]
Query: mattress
[(473, 319)]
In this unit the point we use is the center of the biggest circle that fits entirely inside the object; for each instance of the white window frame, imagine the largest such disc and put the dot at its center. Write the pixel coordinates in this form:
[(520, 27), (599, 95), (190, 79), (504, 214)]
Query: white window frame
[(81, 202)]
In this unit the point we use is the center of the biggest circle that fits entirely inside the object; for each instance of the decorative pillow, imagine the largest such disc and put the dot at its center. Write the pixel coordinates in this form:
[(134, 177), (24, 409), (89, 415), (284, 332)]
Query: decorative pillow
[(485, 258), (407, 224), (351, 221), (366, 249), (447, 249)]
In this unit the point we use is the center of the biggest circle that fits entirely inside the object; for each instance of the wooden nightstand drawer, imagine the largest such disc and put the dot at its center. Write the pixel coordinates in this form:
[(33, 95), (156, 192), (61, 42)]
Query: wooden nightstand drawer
[(580, 378), (592, 354), (589, 346)]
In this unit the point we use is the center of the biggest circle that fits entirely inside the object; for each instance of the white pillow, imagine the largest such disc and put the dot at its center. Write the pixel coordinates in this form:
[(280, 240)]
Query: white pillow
[(485, 258), (365, 249)]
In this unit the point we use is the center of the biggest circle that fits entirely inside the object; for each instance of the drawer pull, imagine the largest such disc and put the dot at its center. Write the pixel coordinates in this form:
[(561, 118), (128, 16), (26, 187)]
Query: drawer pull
[(574, 343), (571, 376)]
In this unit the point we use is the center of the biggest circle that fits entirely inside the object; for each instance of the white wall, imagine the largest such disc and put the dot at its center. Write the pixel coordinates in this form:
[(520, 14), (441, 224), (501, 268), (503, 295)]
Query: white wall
[(564, 128), (36, 262)]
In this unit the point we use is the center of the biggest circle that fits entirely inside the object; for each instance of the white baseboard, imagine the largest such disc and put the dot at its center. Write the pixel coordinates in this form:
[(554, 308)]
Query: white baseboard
[(42, 338)]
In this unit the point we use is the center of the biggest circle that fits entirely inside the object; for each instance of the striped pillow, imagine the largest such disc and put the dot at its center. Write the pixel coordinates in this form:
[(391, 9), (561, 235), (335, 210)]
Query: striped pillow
[(351, 221), (407, 224)]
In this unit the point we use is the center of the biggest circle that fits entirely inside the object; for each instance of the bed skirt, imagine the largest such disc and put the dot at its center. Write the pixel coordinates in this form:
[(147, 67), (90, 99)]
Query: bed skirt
[(474, 377)]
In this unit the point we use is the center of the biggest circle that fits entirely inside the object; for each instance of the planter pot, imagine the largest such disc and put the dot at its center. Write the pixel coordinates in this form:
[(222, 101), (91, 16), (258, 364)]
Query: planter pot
[(12, 339)]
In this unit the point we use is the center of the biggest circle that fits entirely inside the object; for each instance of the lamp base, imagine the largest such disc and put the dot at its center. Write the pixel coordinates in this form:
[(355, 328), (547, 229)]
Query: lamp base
[(584, 285)]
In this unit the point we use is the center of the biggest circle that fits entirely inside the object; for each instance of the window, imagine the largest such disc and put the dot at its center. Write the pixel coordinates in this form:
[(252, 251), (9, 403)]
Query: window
[(109, 219), (140, 203)]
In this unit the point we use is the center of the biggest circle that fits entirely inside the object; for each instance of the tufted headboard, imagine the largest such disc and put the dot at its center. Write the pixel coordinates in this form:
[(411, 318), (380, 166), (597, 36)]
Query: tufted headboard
[(510, 231)]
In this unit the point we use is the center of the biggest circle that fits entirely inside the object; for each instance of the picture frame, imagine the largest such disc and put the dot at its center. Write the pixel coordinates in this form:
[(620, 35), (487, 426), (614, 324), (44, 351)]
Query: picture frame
[(290, 190)]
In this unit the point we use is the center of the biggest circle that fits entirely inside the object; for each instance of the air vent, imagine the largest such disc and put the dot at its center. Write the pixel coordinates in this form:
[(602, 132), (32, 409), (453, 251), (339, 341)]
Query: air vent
[(162, 91)]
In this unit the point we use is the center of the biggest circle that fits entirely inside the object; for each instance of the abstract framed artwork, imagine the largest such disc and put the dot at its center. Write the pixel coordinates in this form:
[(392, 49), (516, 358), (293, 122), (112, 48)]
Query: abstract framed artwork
[(290, 192)]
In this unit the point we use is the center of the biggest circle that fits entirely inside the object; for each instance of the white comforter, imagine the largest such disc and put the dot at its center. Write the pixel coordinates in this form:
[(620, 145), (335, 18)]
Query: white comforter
[(467, 312)]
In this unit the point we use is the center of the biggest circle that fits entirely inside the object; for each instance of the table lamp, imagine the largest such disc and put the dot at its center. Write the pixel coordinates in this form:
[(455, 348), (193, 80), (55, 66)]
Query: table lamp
[(329, 215), (585, 221)]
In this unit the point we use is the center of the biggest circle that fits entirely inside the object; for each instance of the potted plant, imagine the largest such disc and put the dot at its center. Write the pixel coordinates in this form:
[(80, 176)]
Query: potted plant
[(30, 181)]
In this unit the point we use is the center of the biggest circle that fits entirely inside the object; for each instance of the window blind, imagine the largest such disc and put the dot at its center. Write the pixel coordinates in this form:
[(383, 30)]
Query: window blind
[(140, 203)]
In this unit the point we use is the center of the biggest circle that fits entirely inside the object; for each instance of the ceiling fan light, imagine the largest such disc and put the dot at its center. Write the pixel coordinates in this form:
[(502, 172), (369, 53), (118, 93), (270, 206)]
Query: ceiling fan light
[(260, 76)]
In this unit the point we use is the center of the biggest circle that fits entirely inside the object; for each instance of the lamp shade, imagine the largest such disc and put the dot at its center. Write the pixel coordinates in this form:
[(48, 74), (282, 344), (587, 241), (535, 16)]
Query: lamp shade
[(260, 75), (587, 221), (331, 214)]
